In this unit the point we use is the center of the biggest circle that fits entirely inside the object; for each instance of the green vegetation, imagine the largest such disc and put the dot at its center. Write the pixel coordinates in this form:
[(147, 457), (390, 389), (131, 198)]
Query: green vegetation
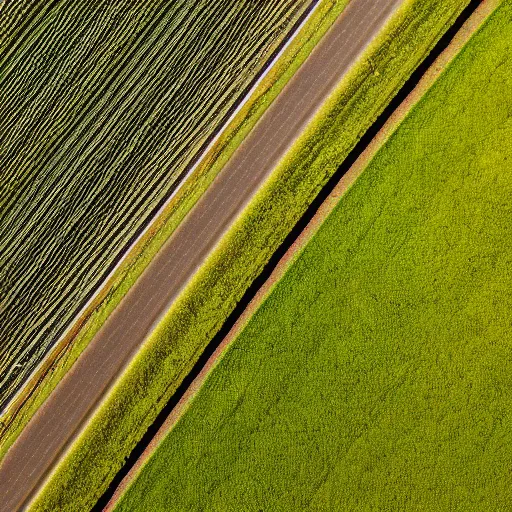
[(104, 105), (195, 317), (376, 375)]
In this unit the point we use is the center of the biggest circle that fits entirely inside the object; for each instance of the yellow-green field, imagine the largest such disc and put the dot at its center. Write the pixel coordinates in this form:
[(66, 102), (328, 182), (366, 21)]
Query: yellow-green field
[(376, 374)]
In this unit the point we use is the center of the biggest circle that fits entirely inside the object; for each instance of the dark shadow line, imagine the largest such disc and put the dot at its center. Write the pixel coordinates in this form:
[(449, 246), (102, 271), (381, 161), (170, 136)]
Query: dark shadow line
[(406, 89)]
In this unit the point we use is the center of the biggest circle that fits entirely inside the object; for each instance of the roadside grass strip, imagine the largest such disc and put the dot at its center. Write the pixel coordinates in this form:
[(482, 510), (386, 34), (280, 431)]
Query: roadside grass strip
[(376, 374), (171, 350)]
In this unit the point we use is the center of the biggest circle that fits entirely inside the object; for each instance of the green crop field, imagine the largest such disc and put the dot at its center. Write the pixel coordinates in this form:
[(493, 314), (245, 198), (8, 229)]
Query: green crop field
[(104, 104), (377, 373)]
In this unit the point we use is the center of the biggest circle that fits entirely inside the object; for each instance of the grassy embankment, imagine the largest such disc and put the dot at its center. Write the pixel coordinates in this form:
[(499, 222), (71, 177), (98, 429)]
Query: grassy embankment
[(199, 312), (65, 353), (376, 374), (109, 140)]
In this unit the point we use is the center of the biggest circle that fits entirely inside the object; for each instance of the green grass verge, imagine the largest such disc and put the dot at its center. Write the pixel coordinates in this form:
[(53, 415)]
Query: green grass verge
[(171, 350), (58, 363), (376, 375)]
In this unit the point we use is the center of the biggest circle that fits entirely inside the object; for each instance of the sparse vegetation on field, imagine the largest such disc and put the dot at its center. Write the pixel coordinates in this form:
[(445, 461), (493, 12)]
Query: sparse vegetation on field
[(104, 104), (41, 383), (376, 375), (191, 322)]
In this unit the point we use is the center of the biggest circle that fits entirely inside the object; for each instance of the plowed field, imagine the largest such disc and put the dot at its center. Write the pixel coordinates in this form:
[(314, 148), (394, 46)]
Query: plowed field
[(103, 106)]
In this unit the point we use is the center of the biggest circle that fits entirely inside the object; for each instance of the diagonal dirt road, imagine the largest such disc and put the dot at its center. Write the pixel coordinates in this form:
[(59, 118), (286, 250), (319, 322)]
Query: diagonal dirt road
[(64, 413)]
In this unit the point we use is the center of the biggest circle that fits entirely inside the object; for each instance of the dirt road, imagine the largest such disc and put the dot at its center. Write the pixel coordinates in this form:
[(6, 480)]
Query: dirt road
[(65, 412)]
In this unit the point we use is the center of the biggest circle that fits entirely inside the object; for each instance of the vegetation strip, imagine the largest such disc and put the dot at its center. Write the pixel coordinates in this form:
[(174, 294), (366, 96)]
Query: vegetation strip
[(420, 81), (374, 375), (202, 308), (39, 386)]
